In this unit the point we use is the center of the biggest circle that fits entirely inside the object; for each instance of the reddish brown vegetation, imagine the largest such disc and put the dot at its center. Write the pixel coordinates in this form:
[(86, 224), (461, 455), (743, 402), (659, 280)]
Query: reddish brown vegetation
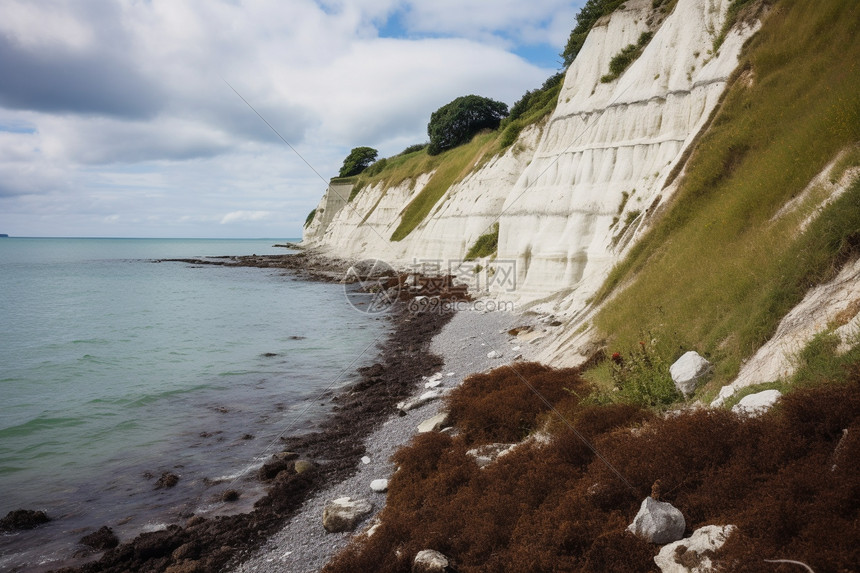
[(788, 480), (500, 406)]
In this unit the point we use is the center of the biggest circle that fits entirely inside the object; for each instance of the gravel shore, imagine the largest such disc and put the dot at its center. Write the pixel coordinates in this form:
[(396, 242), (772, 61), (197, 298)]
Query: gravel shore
[(303, 545)]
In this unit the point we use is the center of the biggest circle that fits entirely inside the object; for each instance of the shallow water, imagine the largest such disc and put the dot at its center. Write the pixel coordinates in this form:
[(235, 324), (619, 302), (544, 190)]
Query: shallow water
[(115, 368)]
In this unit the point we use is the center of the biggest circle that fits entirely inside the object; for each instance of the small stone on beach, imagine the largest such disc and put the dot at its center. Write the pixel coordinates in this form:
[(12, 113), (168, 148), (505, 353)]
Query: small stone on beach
[(344, 513), (379, 485), (433, 424)]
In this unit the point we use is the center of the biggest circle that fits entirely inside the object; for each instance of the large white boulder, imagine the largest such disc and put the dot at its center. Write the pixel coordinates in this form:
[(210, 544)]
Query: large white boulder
[(757, 403), (429, 561), (688, 370), (434, 423), (658, 522), (344, 513), (692, 555)]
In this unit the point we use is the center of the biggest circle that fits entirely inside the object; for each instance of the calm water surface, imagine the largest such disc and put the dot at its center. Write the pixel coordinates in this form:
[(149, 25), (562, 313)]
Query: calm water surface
[(115, 368)]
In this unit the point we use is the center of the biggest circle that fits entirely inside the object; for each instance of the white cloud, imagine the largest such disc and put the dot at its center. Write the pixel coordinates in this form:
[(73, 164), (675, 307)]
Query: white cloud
[(237, 216), (34, 26), (133, 124)]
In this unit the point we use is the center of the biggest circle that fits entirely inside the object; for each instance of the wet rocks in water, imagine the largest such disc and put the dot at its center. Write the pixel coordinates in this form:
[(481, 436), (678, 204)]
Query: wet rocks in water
[(344, 513), (429, 561), (100, 540), (270, 470), (284, 462), (186, 551), (302, 466), (230, 495), (167, 480), (21, 519)]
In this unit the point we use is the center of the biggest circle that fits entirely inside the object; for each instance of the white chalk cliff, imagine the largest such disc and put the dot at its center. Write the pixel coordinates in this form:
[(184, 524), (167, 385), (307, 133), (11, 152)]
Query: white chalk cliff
[(575, 191)]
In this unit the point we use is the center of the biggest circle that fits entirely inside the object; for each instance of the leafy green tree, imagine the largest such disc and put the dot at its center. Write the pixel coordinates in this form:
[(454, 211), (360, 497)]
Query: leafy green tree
[(534, 97), (457, 122), (357, 161), (585, 19)]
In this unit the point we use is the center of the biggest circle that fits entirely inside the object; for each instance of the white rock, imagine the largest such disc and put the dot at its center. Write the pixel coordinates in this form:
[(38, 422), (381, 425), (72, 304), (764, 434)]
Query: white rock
[(493, 354), (696, 549), (429, 561), (344, 513), (433, 424), (726, 392), (450, 374), (658, 522), (424, 398), (688, 370), (373, 528), (433, 383), (379, 485), (365, 460), (758, 403)]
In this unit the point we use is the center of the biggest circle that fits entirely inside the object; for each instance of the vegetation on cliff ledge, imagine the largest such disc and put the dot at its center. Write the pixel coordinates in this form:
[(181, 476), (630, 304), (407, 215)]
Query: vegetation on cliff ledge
[(735, 267)]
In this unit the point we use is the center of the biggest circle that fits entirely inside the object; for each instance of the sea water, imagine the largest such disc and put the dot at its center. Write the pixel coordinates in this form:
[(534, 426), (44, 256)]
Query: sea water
[(116, 367)]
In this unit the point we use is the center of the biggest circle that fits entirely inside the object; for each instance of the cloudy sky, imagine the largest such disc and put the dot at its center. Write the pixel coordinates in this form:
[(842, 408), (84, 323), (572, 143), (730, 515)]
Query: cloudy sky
[(115, 118)]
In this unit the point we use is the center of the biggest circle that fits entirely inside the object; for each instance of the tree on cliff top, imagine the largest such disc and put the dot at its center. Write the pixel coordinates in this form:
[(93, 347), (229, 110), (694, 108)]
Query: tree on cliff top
[(585, 19), (457, 122), (357, 161)]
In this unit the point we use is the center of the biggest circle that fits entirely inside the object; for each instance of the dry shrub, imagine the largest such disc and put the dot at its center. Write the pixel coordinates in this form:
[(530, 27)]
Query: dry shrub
[(788, 480), (502, 405)]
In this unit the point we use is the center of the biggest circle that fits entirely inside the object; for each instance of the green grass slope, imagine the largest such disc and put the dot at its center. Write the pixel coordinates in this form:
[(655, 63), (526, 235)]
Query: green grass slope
[(717, 272)]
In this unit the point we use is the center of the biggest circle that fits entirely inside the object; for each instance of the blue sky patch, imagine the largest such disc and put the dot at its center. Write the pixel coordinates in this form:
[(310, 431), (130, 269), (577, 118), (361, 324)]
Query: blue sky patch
[(17, 127)]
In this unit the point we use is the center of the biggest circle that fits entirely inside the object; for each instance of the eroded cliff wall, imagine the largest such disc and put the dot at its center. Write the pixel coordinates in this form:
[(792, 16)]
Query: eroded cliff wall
[(573, 190)]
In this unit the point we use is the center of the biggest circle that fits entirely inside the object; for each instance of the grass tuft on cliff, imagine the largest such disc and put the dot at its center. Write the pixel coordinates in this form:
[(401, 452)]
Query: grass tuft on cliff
[(486, 245), (735, 269)]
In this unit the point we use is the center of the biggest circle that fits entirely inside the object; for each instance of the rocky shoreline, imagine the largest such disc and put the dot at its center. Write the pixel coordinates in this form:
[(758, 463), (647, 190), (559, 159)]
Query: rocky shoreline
[(307, 265), (471, 341), (306, 464)]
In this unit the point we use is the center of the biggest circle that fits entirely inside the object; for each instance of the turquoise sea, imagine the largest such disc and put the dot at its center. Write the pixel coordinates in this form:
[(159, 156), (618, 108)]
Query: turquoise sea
[(115, 367)]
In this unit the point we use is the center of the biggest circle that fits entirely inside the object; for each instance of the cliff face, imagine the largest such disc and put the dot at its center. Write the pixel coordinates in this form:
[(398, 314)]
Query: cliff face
[(574, 190), (602, 165), (579, 189)]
